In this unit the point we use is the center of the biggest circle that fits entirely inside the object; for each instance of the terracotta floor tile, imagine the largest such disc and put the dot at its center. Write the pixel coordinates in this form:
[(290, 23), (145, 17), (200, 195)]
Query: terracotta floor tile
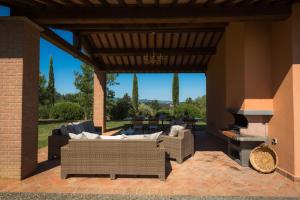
[(209, 172)]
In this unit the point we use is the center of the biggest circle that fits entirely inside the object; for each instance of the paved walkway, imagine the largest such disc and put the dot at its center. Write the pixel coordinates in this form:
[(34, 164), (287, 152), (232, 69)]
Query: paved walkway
[(209, 172)]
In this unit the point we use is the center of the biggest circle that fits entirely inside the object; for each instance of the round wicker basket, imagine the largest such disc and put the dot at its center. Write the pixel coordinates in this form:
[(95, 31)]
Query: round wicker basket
[(264, 159)]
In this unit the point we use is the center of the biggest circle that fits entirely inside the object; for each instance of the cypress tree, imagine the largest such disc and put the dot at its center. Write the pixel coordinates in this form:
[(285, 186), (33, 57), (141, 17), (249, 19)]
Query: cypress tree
[(51, 83), (175, 90), (135, 94)]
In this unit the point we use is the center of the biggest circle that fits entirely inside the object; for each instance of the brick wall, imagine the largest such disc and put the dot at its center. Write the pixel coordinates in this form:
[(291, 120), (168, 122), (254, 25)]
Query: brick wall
[(99, 99), (19, 70)]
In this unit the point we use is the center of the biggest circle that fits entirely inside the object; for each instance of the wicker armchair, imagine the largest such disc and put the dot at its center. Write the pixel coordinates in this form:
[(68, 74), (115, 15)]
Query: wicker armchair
[(179, 147), (113, 157)]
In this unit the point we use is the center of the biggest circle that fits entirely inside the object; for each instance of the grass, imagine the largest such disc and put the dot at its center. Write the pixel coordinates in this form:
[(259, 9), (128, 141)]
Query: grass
[(45, 129)]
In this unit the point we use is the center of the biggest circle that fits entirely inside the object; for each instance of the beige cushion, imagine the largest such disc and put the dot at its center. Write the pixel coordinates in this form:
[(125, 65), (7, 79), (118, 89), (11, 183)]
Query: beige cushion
[(175, 130), (155, 136)]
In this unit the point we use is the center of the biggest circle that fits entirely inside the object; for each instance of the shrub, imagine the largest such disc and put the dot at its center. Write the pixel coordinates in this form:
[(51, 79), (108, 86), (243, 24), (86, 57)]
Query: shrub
[(44, 112), (146, 110), (67, 111), (187, 109), (120, 110)]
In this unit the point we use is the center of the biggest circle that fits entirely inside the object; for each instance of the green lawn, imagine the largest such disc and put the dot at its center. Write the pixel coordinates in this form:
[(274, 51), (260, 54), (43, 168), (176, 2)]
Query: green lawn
[(46, 128)]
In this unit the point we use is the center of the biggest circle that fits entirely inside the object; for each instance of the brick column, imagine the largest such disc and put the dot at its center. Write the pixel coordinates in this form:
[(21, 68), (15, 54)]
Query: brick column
[(99, 99), (19, 72)]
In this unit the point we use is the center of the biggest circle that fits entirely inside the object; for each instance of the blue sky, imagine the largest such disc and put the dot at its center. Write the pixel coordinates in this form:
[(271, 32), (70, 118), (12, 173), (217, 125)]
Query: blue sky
[(151, 86)]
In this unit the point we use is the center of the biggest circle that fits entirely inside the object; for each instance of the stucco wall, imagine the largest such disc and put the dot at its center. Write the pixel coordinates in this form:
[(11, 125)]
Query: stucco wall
[(217, 117), (262, 72), (285, 125)]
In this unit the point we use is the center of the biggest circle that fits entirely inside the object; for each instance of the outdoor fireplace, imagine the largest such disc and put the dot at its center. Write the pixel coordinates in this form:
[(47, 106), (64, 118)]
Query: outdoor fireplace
[(249, 130)]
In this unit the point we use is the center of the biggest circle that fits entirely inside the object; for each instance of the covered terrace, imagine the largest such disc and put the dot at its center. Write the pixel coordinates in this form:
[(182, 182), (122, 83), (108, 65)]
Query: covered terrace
[(249, 50)]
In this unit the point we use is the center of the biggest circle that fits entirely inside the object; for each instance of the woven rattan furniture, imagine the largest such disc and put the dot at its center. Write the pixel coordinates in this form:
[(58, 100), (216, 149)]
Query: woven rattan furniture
[(113, 157), (56, 140), (179, 147)]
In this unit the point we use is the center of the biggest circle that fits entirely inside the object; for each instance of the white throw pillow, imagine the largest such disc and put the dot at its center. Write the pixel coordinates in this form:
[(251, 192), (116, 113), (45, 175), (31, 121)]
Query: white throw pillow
[(90, 136), (175, 130), (76, 136), (113, 137), (154, 136)]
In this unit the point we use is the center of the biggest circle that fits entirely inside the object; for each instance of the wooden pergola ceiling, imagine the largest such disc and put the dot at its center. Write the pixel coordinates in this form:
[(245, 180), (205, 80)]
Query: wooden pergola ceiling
[(116, 34)]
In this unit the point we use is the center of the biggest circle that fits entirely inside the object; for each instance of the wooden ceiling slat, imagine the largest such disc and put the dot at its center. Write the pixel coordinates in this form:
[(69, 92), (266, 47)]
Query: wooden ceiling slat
[(192, 60), (185, 60), (209, 43), (172, 60), (118, 60), (126, 62), (135, 40), (127, 40), (138, 60), (160, 40), (198, 60), (111, 40), (175, 38), (191, 40), (203, 40), (167, 40), (183, 40), (119, 40), (106, 61), (155, 69), (123, 40)]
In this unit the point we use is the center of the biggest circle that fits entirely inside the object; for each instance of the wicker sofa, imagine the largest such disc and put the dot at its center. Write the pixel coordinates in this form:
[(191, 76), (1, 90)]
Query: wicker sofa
[(179, 147), (113, 157), (58, 139)]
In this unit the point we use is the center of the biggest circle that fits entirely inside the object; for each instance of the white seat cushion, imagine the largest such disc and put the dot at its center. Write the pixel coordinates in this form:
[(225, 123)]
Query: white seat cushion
[(76, 136), (113, 137), (90, 136)]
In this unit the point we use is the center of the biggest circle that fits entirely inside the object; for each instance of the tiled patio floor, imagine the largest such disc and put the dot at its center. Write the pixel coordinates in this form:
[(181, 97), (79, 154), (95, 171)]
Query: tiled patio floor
[(209, 172)]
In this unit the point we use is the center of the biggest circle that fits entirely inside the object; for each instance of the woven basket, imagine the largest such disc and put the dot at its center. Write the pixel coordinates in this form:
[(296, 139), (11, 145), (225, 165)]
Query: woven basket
[(264, 159)]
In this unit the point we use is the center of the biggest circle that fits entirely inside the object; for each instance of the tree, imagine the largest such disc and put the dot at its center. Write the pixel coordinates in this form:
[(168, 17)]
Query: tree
[(43, 94), (111, 80), (154, 105), (189, 100), (51, 84), (122, 108), (175, 90), (135, 94), (84, 82)]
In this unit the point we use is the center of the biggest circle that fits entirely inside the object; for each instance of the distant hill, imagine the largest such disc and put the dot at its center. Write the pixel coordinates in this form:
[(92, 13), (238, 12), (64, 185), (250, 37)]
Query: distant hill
[(148, 100), (159, 101)]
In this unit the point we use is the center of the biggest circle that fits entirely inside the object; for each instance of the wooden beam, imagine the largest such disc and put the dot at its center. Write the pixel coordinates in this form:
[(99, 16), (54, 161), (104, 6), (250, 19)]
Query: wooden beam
[(153, 69), (141, 52), (61, 43), (186, 27), (150, 15)]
